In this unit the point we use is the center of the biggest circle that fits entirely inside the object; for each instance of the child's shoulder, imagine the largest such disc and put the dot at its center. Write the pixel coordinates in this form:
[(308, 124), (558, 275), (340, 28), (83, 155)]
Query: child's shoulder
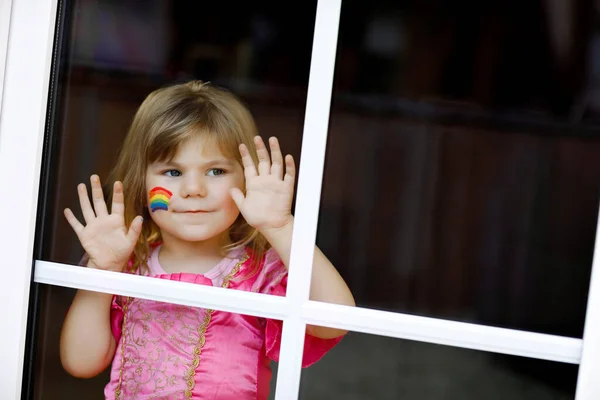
[(265, 275)]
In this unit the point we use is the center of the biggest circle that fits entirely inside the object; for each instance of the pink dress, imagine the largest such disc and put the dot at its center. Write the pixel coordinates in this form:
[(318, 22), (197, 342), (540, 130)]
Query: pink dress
[(168, 351)]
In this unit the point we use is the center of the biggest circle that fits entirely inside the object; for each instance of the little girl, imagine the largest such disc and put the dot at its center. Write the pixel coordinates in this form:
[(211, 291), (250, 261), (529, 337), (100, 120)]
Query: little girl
[(197, 198)]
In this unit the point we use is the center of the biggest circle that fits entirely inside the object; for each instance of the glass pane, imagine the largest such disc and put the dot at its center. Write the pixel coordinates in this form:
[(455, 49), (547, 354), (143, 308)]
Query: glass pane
[(108, 69), (376, 367), (53, 382), (462, 173), (112, 55)]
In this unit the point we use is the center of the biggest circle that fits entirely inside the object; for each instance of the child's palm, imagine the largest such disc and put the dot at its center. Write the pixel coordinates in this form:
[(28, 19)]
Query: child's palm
[(106, 241), (105, 237), (269, 192), (267, 202)]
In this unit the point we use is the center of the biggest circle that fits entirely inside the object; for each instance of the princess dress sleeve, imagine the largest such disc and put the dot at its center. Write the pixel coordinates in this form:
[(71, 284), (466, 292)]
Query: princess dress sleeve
[(272, 279)]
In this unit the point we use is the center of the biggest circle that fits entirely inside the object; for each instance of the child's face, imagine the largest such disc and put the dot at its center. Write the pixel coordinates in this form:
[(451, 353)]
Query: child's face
[(199, 179)]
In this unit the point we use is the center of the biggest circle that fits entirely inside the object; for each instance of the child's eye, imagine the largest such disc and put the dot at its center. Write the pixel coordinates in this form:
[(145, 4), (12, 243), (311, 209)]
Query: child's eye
[(215, 172), (172, 172)]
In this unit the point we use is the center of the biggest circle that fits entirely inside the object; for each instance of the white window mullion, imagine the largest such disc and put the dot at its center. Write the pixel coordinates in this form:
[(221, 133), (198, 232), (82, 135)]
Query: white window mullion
[(312, 158), (377, 322), (445, 332), (166, 291), (26, 80), (588, 380)]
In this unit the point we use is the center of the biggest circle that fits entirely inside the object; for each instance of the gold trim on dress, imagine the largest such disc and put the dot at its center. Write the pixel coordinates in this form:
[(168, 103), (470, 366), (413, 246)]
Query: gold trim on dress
[(118, 390), (190, 375)]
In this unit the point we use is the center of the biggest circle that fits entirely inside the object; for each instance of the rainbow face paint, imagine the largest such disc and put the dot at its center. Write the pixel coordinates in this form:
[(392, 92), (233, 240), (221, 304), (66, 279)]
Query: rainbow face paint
[(159, 199)]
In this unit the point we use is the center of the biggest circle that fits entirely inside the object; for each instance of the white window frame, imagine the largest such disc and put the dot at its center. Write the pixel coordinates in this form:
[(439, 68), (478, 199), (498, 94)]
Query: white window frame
[(26, 44), (5, 10)]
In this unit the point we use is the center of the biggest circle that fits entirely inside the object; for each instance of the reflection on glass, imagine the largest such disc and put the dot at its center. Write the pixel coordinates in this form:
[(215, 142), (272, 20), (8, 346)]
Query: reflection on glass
[(461, 176), (382, 368)]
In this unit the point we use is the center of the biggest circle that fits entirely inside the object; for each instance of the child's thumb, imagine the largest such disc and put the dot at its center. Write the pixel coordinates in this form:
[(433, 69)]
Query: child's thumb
[(237, 196), (136, 228)]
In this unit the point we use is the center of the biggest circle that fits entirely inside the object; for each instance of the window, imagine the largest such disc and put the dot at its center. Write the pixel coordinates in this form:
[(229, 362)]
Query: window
[(62, 77)]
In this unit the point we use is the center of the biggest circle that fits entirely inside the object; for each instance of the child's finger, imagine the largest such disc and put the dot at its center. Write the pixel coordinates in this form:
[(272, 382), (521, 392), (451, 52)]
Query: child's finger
[(264, 162), (248, 162), (98, 196), (84, 202), (73, 221), (135, 229), (276, 157), (118, 200), (290, 170)]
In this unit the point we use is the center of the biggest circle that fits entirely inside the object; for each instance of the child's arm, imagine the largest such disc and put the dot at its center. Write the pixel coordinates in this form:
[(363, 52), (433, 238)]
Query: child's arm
[(87, 345), (266, 206), (326, 283)]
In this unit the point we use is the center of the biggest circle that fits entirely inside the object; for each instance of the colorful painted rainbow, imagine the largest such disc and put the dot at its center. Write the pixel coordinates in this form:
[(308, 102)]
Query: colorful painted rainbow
[(159, 199)]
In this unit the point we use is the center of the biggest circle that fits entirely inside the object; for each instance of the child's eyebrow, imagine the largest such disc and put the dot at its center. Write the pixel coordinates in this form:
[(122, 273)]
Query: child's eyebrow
[(208, 163), (166, 163), (219, 161)]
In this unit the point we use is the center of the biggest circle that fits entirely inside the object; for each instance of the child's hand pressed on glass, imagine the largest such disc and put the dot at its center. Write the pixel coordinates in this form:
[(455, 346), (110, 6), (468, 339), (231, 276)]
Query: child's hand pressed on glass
[(105, 238), (267, 203)]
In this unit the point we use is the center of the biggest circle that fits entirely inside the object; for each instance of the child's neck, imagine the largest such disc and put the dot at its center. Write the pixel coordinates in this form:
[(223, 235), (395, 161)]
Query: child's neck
[(191, 257)]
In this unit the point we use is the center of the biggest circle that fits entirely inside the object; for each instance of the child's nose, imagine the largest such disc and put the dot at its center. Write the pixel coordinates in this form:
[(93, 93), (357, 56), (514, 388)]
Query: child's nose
[(193, 186)]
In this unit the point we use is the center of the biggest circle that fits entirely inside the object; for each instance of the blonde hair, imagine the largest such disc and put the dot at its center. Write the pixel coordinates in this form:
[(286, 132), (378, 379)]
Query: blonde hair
[(167, 118)]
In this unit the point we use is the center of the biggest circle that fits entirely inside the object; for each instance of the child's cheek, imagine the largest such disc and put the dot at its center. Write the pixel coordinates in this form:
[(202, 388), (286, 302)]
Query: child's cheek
[(159, 199)]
